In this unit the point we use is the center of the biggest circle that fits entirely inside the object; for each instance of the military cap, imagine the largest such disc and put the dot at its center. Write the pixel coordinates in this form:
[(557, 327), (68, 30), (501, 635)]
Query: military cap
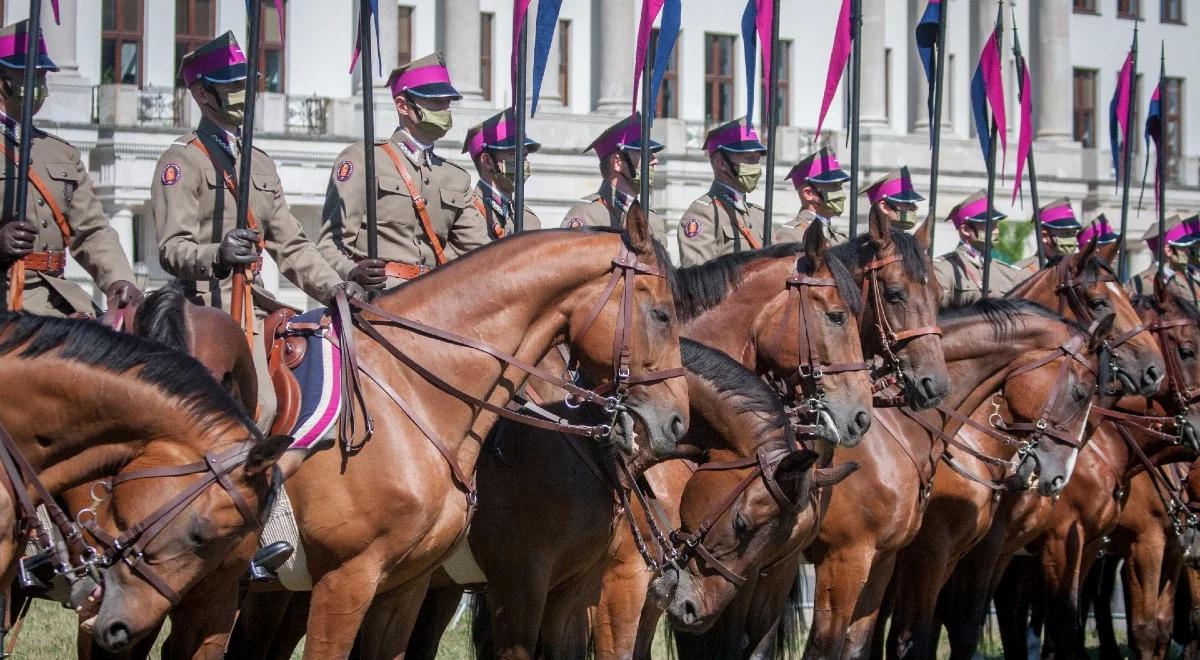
[(1059, 216), (1177, 231), (496, 132), (625, 134), (895, 186), (426, 78), (218, 61), (735, 137), (974, 209), (821, 167), (1100, 230), (13, 43)]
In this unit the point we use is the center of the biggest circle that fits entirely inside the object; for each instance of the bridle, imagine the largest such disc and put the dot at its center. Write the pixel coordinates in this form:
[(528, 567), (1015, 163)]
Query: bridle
[(609, 396), (1069, 296), (890, 338), (76, 559)]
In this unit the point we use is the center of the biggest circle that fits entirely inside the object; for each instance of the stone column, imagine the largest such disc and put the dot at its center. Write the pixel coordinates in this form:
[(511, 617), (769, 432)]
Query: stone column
[(874, 110), (1050, 61), (70, 98), (458, 39), (614, 40)]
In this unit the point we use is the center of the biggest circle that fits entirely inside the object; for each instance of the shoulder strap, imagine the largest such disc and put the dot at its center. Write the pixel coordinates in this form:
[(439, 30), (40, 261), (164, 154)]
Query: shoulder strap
[(230, 185), (39, 184), (497, 227), (418, 203), (969, 270)]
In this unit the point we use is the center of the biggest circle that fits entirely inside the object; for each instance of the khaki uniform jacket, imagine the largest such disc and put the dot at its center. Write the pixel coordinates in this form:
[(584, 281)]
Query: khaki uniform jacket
[(710, 228), (793, 232), (607, 208), (1142, 284), (497, 214), (193, 210), (94, 243), (446, 188), (960, 274)]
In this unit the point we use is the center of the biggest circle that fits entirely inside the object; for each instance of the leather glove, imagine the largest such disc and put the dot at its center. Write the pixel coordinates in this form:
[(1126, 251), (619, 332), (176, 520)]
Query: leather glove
[(123, 294), (238, 248), (370, 273), (16, 239), (352, 290)]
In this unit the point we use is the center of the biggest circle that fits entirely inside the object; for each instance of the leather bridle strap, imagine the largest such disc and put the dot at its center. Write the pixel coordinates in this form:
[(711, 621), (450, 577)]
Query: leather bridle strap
[(889, 337)]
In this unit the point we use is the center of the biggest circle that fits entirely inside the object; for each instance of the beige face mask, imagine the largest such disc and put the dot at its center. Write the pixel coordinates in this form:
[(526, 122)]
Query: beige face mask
[(507, 170), (834, 201), (434, 123)]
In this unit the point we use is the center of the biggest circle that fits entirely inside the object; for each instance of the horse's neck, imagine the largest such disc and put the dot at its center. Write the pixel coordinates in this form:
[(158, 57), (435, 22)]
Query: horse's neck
[(735, 325), (721, 425)]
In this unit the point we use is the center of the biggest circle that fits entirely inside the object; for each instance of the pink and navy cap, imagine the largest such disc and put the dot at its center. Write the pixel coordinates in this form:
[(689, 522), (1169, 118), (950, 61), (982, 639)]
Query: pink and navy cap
[(13, 43), (1058, 215), (219, 61), (821, 168), (1177, 231), (623, 135), (896, 186), (496, 132), (974, 209), (735, 137), (426, 78), (1100, 230)]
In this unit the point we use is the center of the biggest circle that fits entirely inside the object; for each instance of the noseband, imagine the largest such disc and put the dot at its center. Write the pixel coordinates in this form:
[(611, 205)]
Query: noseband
[(889, 337)]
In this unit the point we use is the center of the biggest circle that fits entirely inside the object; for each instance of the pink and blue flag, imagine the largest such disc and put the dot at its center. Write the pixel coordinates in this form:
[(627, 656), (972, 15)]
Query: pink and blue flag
[(757, 28), (668, 32), (987, 90), (1118, 113), (1025, 141), (843, 38), (547, 25), (928, 29), (374, 9)]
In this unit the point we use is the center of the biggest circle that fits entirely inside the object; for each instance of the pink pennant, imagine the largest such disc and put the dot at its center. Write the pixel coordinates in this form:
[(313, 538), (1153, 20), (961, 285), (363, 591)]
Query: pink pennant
[(57, 18), (1025, 142), (842, 40), (650, 11), (1125, 95), (765, 20), (993, 79), (520, 13)]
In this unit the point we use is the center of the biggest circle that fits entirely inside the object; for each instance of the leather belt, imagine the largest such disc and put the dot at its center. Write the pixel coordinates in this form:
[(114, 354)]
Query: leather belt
[(53, 263), (403, 271)]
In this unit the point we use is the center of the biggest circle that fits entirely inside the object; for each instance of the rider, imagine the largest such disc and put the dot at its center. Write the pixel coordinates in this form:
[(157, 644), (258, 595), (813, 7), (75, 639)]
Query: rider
[(194, 196), (423, 202), (63, 210), (1060, 230), (723, 221), (1182, 240), (961, 272), (820, 182), (493, 148), (619, 149), (895, 198)]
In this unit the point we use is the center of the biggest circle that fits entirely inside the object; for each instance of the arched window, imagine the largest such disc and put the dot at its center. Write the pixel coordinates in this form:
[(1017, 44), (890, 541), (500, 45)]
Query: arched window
[(121, 42), (194, 27)]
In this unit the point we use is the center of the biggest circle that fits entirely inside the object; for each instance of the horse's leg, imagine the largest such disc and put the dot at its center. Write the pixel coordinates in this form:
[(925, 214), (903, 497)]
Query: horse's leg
[(436, 614), (1172, 565), (841, 577), (1105, 583), (516, 599), (616, 629), (919, 578), (866, 612), (1011, 609), (1062, 561), (203, 621), (966, 595), (340, 600), (259, 623), (390, 620)]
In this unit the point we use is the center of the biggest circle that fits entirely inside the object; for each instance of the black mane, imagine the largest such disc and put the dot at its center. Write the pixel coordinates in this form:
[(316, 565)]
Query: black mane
[(92, 344), (1145, 302), (862, 249), (1002, 314), (729, 377), (161, 318)]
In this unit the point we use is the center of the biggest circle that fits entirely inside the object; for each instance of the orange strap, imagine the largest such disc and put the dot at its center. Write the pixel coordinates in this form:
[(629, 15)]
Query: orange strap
[(16, 272), (754, 243), (16, 286), (418, 203), (497, 228)]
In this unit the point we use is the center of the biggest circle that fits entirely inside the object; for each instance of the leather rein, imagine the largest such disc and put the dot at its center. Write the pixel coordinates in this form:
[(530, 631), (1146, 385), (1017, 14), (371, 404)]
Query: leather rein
[(890, 338), (1069, 296)]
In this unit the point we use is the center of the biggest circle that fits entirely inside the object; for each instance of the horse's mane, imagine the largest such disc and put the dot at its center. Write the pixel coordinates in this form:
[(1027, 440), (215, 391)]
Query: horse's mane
[(1095, 268), (704, 286), (1149, 302), (89, 343), (747, 391), (161, 317), (1003, 313), (860, 250)]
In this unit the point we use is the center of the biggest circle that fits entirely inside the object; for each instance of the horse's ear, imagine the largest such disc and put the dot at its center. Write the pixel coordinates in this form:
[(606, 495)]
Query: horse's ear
[(1108, 251), (637, 225), (923, 233), (815, 245), (1100, 331), (793, 471), (1083, 257), (881, 227), (266, 453)]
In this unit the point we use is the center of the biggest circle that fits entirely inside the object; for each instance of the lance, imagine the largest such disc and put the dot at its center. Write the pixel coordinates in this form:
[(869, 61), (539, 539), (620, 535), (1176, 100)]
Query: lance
[(254, 16), (519, 109), (855, 107), (1127, 163), (16, 280), (647, 115), (368, 100), (772, 108), (1161, 179), (939, 88), (1033, 184), (991, 187)]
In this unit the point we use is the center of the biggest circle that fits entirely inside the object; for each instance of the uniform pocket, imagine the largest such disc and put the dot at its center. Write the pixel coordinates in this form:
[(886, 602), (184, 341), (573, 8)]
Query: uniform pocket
[(64, 172)]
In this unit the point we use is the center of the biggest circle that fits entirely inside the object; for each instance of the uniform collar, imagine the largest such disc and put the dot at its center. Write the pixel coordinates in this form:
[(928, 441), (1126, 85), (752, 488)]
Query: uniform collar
[(417, 151), (738, 199), (230, 141), (619, 200), (12, 128), (494, 198), (968, 251)]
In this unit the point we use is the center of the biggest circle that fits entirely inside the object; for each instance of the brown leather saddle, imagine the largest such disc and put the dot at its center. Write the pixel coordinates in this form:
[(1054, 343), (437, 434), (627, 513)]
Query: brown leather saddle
[(286, 345)]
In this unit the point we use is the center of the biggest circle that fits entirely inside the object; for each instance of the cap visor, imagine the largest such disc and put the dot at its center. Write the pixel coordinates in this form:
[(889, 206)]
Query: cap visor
[(744, 147), (906, 197), (234, 73), (636, 145), (832, 176), (1067, 224), (18, 62), (982, 217), (435, 91), (531, 145)]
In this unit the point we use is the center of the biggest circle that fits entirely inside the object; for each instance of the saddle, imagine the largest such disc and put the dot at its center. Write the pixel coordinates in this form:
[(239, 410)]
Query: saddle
[(285, 350)]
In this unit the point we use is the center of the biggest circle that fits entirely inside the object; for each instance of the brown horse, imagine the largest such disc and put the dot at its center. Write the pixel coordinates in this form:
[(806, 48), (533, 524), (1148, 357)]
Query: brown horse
[(375, 524), (100, 405)]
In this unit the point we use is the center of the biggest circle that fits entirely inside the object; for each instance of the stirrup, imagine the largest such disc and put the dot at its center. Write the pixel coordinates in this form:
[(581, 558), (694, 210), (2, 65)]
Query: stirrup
[(267, 561)]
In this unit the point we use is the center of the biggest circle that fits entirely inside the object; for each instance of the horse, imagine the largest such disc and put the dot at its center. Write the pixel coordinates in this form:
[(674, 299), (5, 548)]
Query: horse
[(145, 421)]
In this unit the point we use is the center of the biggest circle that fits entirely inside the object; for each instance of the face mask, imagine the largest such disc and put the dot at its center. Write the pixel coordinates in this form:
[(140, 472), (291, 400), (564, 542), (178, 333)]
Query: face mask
[(636, 172), (233, 106), (16, 91), (434, 123), (748, 176), (507, 169), (1065, 245), (1179, 258), (834, 201), (905, 220)]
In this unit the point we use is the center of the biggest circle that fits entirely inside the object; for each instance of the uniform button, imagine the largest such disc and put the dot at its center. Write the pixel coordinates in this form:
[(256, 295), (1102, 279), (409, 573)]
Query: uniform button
[(41, 202), (426, 180), (45, 224)]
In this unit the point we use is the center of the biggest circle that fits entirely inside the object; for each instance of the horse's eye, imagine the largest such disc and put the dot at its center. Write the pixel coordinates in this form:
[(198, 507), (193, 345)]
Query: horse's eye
[(662, 316), (895, 296), (740, 525), (1079, 393), (1098, 303), (837, 318), (1187, 351)]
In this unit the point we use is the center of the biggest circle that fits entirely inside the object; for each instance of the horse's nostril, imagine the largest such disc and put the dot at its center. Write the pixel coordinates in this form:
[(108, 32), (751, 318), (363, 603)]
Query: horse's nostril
[(678, 428), (862, 422), (690, 611), (928, 388), (116, 636)]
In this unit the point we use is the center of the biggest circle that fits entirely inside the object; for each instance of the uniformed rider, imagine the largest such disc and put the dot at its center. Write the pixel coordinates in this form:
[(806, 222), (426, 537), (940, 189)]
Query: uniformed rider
[(961, 272), (63, 211), (723, 221), (1059, 236), (821, 184), (1182, 240), (493, 148)]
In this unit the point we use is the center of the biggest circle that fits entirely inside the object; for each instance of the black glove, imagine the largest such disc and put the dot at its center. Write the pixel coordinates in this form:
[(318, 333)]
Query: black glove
[(238, 248), (123, 294), (16, 239), (352, 290), (370, 273)]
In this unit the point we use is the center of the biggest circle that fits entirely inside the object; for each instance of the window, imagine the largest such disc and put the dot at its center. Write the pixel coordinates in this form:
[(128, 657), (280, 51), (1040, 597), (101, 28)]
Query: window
[(121, 42), (1172, 11), (1129, 8), (487, 23), (270, 49), (404, 41), (887, 83), (718, 78), (948, 96), (1085, 7), (668, 94), (564, 61), (1172, 109), (194, 20), (1085, 107), (783, 97)]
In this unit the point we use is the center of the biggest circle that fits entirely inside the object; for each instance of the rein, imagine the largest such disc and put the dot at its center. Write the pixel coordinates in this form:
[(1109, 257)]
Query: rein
[(1069, 297), (890, 338)]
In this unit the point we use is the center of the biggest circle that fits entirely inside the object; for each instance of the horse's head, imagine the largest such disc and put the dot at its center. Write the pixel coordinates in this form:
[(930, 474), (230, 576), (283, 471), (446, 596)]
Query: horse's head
[(900, 320), (817, 344), (1082, 286), (174, 529), (1174, 324), (1048, 398), (622, 331)]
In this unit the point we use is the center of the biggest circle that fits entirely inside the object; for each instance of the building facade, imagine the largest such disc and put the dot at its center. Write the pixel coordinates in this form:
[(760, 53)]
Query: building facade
[(117, 96)]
